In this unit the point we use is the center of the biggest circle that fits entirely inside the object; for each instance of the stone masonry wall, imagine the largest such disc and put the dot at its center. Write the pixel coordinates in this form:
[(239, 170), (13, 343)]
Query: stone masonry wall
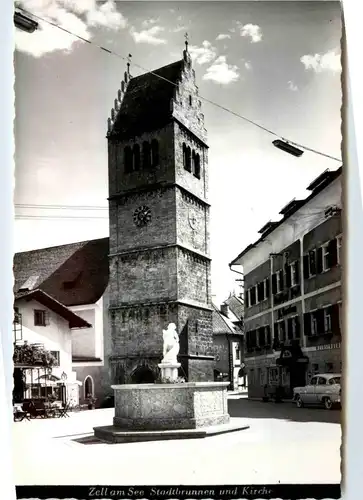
[(144, 277)]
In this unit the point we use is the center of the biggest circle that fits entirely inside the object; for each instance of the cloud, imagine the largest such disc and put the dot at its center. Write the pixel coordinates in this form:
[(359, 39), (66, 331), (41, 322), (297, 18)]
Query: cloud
[(148, 36), (149, 22), (204, 54), (76, 16), (330, 61), (223, 36), (292, 86), (252, 31), (248, 65), (221, 72), (178, 29)]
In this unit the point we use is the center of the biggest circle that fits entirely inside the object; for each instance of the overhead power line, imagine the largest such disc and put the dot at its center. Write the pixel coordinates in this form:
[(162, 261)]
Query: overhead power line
[(59, 207), (251, 122)]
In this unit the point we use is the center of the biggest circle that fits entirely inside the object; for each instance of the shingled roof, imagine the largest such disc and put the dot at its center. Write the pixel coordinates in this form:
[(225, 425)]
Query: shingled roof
[(73, 274), (222, 324), (236, 306), (146, 105)]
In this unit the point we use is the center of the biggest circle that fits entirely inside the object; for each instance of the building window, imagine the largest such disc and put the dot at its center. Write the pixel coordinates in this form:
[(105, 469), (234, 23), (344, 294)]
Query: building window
[(327, 320), (314, 324), (293, 328), (41, 318), (187, 157), (146, 155), (154, 153), (136, 157), (281, 330), (247, 298), (339, 250), (88, 386), (196, 165), (56, 355), (128, 159), (294, 270), (312, 262), (273, 375), (325, 257)]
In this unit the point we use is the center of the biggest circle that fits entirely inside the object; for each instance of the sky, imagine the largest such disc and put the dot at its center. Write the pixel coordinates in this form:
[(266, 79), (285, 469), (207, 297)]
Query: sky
[(276, 63)]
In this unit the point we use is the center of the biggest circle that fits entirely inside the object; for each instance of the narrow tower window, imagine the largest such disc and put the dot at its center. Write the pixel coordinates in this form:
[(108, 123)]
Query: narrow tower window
[(136, 155), (154, 153), (190, 100), (128, 159), (146, 155), (187, 158), (196, 165)]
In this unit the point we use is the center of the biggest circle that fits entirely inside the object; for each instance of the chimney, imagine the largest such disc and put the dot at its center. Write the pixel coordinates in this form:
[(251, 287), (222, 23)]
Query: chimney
[(225, 310)]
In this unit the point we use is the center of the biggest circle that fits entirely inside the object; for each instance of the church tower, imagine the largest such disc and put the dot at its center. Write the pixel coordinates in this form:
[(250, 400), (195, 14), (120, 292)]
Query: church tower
[(159, 225)]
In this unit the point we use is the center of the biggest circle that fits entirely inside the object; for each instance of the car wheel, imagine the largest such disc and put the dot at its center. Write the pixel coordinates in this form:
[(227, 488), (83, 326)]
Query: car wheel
[(328, 404), (299, 402)]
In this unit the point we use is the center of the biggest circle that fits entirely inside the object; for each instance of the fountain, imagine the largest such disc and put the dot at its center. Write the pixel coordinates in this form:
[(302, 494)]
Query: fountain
[(171, 409)]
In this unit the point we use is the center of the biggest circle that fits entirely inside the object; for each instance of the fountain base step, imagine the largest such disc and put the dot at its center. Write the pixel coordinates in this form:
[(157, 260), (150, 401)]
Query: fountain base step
[(115, 434)]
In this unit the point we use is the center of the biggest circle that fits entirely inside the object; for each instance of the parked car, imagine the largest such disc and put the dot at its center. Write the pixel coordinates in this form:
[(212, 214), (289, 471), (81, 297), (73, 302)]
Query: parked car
[(323, 389)]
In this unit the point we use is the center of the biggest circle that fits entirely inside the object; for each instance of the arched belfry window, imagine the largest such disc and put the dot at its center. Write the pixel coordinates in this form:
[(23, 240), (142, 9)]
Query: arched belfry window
[(196, 165), (88, 387), (128, 159), (146, 155), (154, 153), (136, 157)]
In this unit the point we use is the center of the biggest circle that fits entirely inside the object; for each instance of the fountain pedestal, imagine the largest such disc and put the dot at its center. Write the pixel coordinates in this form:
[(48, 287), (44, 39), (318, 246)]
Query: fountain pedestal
[(169, 371)]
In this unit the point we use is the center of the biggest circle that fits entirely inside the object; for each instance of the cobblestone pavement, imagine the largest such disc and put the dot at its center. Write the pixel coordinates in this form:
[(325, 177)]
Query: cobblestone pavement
[(284, 444)]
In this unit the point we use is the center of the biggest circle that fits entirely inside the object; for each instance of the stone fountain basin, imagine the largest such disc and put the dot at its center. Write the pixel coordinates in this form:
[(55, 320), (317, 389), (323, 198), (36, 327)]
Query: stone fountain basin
[(160, 407)]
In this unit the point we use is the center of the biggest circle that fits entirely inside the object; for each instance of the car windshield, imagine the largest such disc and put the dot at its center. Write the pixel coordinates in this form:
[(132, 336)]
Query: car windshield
[(334, 380)]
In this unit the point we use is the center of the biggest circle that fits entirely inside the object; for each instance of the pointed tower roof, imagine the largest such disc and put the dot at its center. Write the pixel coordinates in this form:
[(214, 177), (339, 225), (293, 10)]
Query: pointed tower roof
[(146, 104)]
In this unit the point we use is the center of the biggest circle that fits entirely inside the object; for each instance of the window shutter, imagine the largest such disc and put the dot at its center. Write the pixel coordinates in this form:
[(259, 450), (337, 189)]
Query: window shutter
[(267, 288), (319, 314), (289, 329), (333, 253), (319, 260), (283, 330), (307, 324), (312, 262), (297, 271), (306, 266), (274, 284), (253, 338), (335, 320), (268, 335), (288, 276), (247, 299), (253, 295), (248, 340), (282, 279), (297, 327), (261, 336)]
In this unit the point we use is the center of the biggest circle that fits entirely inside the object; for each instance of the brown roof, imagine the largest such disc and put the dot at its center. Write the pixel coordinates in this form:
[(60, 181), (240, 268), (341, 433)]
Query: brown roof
[(73, 274), (146, 105), (46, 300)]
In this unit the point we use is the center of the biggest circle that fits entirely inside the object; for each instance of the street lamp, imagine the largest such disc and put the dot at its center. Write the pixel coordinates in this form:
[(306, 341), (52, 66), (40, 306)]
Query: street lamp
[(287, 147), (24, 23)]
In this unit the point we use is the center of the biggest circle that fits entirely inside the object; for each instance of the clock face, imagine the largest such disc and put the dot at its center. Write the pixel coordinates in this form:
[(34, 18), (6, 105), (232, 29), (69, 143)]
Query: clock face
[(192, 220), (142, 216)]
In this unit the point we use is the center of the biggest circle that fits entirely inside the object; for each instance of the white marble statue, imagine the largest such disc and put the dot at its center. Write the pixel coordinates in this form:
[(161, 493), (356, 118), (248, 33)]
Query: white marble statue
[(171, 344)]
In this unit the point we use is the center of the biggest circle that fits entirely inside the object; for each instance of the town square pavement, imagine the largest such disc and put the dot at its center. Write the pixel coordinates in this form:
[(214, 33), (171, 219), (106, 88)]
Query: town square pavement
[(283, 444)]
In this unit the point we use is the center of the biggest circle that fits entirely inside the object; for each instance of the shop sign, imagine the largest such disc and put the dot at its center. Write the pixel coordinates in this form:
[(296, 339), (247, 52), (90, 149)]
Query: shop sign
[(328, 347)]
